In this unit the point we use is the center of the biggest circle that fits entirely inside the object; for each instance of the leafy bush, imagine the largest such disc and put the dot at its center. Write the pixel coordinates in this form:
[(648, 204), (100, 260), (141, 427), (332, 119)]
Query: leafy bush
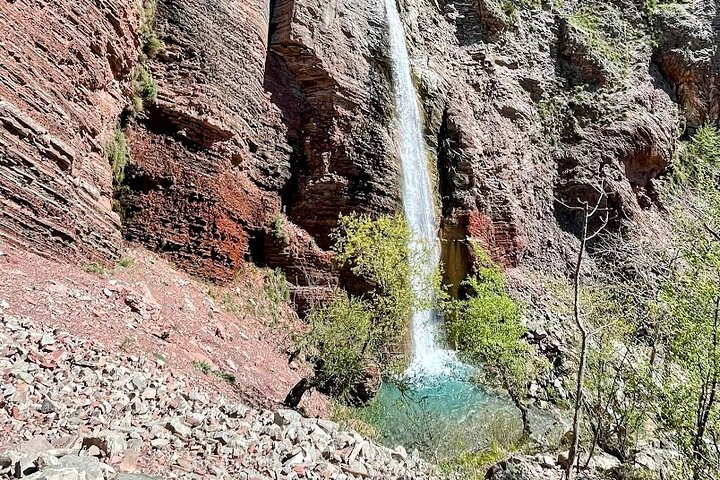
[(278, 229), (352, 333), (116, 153), (378, 251), (151, 43), (699, 160), (126, 262), (341, 340), (144, 87), (486, 329), (93, 267)]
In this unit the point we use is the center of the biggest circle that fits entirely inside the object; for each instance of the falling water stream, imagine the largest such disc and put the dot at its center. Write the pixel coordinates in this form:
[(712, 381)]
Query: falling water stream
[(439, 408), (429, 358)]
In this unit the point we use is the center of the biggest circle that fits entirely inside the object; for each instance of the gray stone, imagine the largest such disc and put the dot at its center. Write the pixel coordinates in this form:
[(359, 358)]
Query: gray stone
[(134, 476), (90, 467), (57, 473), (110, 443), (47, 406), (604, 462), (178, 427), (285, 417), (149, 393)]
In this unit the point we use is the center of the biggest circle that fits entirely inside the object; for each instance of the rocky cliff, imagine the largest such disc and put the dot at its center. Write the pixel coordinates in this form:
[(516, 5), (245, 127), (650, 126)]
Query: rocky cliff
[(261, 121), (64, 71), (279, 113)]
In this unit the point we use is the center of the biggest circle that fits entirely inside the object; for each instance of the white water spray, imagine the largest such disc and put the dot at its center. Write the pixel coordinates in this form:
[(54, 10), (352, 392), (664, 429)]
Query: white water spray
[(429, 359)]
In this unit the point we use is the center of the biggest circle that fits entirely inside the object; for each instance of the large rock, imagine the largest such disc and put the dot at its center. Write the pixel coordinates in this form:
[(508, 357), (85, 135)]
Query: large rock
[(328, 72), (687, 55)]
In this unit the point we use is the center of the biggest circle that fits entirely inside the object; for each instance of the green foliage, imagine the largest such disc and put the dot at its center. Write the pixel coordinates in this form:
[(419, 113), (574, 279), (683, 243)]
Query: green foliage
[(116, 153), (144, 87), (377, 250), (503, 440), (278, 229), (126, 262), (690, 339), (203, 366), (612, 52), (618, 384), (342, 340), (351, 333), (654, 359), (246, 299), (472, 466), (510, 10), (276, 288), (206, 369), (92, 267), (486, 329), (151, 43), (699, 160)]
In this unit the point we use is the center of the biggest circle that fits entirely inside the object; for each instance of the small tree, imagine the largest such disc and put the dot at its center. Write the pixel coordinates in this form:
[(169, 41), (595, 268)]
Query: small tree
[(486, 329), (351, 335), (588, 210)]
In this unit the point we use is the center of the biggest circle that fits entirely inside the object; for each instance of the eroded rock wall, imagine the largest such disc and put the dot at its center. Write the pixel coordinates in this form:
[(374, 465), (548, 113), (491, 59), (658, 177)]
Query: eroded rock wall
[(208, 158), (528, 113), (64, 68), (280, 113), (332, 56)]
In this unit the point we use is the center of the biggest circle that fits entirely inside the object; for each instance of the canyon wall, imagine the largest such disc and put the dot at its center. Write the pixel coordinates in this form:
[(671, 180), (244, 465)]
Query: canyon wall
[(274, 117), (64, 70)]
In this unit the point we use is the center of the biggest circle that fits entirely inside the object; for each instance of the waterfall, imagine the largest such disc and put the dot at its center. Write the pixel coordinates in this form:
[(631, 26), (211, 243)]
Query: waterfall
[(429, 359)]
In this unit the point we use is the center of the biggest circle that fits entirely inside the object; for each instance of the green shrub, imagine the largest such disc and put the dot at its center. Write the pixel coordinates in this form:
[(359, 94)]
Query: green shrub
[(341, 340), (206, 369), (351, 333), (144, 87), (486, 329), (277, 288), (151, 43), (126, 262), (699, 159), (377, 250), (116, 153), (203, 366), (93, 267), (279, 232)]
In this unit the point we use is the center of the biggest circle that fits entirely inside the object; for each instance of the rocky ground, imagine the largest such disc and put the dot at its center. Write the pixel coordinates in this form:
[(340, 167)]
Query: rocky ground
[(69, 409), (148, 307)]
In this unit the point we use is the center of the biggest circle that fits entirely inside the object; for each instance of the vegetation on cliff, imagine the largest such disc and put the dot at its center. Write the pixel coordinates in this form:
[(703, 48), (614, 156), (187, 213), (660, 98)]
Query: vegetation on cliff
[(486, 329), (356, 336)]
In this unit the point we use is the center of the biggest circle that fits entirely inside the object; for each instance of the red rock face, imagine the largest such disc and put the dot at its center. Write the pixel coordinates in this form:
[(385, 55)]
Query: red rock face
[(687, 58), (63, 66), (208, 162), (196, 208), (329, 75), (286, 106)]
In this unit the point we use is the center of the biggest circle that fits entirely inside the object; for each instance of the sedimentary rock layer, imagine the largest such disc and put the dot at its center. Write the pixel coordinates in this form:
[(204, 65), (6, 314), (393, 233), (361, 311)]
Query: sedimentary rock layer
[(63, 66)]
